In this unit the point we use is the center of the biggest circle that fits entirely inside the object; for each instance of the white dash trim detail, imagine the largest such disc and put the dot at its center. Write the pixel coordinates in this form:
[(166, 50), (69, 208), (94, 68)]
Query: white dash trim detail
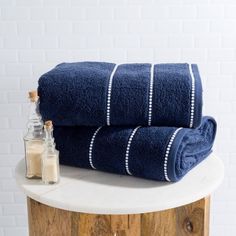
[(128, 149), (91, 147), (150, 95), (109, 94), (192, 105), (168, 151)]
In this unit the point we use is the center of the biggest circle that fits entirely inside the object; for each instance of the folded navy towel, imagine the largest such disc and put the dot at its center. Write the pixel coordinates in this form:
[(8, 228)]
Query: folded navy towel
[(158, 153), (99, 94)]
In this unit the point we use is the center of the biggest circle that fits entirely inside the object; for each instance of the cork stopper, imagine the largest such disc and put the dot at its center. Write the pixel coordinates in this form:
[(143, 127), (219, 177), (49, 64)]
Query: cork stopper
[(33, 96), (48, 124)]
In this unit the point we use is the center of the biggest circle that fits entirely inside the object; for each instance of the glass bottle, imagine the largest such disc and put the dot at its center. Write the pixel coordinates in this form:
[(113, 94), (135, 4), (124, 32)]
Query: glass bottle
[(50, 159), (34, 140)]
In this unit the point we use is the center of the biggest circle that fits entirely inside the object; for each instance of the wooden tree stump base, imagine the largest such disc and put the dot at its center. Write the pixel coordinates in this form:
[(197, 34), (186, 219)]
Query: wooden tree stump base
[(187, 220)]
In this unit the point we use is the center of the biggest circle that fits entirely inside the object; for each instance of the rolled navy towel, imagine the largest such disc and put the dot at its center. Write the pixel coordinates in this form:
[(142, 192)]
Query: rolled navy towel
[(100, 93), (158, 153)]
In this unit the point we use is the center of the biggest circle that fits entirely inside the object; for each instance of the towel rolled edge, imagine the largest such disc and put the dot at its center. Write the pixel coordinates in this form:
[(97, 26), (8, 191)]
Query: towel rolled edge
[(176, 152)]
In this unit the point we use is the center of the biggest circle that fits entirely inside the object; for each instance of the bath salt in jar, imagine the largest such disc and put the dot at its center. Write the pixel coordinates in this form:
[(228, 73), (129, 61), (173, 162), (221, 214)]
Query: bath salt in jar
[(34, 140), (50, 159)]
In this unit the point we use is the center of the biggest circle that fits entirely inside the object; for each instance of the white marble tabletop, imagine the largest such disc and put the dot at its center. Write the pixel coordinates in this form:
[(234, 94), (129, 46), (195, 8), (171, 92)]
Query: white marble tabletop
[(91, 191)]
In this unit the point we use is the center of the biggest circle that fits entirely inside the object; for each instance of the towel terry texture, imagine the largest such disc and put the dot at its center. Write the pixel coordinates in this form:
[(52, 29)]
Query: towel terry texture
[(157, 153), (100, 94)]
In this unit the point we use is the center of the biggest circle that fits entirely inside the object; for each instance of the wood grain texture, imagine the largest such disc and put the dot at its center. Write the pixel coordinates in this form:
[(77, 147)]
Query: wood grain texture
[(47, 221), (159, 223), (195, 218), (119, 222), (188, 220), (94, 225)]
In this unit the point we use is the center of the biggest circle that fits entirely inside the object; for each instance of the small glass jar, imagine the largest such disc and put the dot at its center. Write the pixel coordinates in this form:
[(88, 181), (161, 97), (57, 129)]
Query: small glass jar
[(50, 159), (34, 140)]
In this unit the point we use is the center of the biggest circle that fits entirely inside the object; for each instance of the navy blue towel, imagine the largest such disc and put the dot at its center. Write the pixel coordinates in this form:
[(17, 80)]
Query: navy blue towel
[(99, 94), (158, 153)]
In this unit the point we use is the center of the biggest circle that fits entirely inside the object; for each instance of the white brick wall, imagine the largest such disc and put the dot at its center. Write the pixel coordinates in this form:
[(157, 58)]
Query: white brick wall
[(37, 34)]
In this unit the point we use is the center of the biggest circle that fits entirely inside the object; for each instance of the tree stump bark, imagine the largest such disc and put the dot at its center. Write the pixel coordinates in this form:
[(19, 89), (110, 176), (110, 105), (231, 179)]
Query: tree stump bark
[(187, 220)]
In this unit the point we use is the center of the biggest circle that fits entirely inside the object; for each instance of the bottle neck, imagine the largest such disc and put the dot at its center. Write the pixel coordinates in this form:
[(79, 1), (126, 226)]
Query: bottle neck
[(49, 141), (35, 124)]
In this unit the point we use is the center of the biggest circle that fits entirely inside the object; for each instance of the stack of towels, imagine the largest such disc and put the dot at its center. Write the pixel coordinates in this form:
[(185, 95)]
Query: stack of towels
[(140, 119)]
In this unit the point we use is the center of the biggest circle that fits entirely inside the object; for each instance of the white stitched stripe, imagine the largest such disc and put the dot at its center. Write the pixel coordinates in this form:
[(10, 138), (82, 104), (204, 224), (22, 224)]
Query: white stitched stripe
[(168, 151), (109, 94), (192, 97), (150, 95), (91, 147), (127, 150)]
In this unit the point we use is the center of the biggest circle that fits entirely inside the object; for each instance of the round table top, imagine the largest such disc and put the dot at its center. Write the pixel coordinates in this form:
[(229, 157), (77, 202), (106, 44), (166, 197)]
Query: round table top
[(91, 191)]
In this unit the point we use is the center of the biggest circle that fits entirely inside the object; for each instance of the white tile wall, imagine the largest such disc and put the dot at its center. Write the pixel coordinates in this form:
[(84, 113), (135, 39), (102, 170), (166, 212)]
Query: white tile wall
[(37, 34)]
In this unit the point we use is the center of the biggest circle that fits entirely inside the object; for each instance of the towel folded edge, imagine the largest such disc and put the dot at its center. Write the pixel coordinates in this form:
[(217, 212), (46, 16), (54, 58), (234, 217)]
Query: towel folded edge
[(171, 167)]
